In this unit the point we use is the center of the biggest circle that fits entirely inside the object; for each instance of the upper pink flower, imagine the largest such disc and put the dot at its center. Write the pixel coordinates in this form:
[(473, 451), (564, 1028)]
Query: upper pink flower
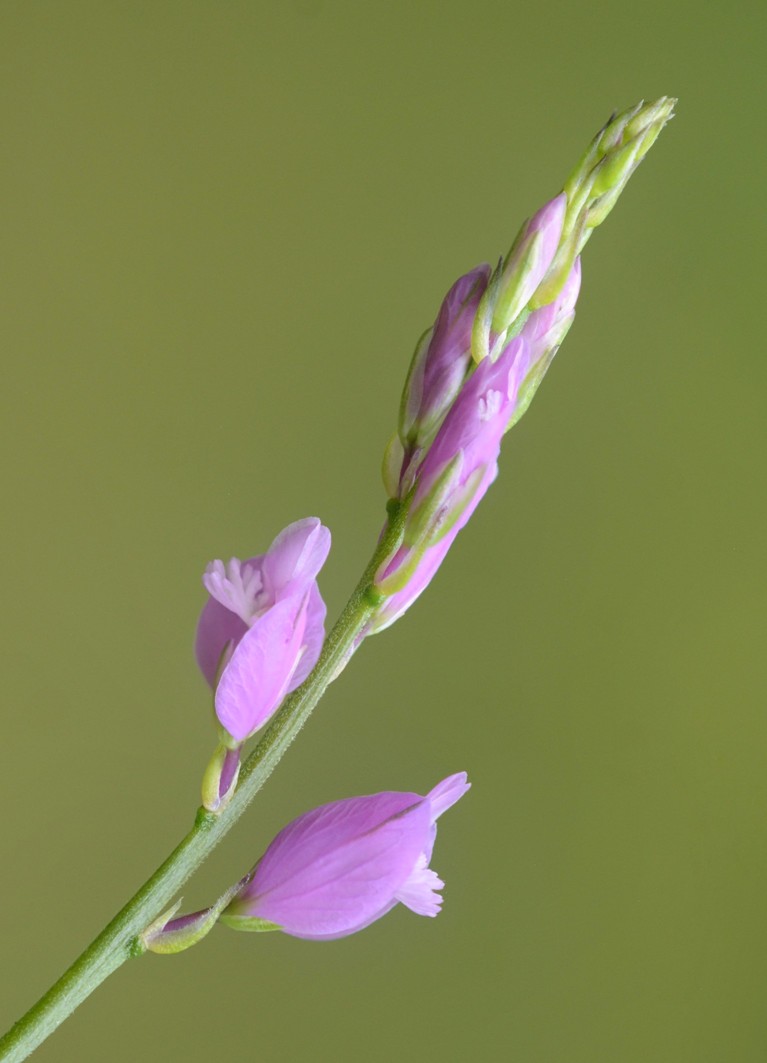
[(261, 630), (337, 869)]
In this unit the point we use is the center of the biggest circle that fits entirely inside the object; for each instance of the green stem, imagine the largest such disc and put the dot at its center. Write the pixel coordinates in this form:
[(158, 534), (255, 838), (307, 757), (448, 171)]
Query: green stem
[(120, 939)]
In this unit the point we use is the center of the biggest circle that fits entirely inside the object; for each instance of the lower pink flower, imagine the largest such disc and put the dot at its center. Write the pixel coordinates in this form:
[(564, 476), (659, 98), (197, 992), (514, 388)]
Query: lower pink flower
[(337, 869)]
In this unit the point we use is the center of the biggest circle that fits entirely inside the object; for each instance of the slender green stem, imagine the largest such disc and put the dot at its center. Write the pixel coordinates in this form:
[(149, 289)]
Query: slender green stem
[(120, 939)]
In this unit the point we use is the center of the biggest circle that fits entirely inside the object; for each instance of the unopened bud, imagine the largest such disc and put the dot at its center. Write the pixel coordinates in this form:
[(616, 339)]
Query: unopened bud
[(220, 779), (594, 186), (441, 361), (528, 262), (168, 935)]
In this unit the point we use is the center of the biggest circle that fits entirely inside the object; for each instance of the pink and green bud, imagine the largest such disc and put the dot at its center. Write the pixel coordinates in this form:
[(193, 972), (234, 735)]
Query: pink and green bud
[(528, 263), (517, 318), (544, 330), (597, 181), (462, 462), (339, 868), (220, 779), (261, 630), (441, 361), (458, 468), (170, 934)]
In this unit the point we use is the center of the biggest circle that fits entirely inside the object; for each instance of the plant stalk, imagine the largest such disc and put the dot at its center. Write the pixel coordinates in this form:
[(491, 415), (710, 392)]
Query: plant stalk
[(120, 939)]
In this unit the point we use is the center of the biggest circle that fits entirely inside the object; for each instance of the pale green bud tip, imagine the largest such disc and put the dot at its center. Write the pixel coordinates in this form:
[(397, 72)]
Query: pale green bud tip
[(617, 148), (248, 923), (392, 465), (528, 262), (424, 519), (595, 184)]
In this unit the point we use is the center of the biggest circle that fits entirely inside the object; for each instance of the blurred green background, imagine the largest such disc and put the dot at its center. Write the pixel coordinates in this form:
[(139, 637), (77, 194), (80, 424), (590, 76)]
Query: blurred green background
[(223, 227)]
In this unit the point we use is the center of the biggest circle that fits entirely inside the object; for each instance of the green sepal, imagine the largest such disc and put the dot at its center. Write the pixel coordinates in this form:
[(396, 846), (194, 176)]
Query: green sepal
[(407, 417), (212, 800), (172, 941), (615, 168), (593, 188), (392, 465), (424, 519), (512, 296), (532, 381), (401, 576), (554, 281), (248, 923), (458, 504), (168, 942), (480, 331)]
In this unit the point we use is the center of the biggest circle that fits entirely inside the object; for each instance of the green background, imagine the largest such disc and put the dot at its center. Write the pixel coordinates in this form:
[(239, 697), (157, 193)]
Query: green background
[(223, 227)]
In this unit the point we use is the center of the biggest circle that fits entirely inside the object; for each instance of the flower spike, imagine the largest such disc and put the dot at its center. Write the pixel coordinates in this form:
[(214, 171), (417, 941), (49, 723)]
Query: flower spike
[(476, 372)]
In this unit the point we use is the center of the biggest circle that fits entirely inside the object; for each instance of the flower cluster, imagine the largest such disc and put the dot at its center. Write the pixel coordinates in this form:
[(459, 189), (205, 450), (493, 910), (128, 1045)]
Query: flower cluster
[(344, 865), (474, 374), (340, 867)]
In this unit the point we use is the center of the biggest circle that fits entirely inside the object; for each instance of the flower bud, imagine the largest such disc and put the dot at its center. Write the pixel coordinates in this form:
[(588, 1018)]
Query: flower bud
[(544, 331), (459, 467), (528, 262), (597, 181), (169, 933), (514, 319), (441, 360), (220, 779)]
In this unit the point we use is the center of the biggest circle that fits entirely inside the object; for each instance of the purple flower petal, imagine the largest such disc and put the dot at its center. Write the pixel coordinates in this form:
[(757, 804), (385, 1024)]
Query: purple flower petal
[(340, 867), (474, 426), (216, 627), (446, 793), (255, 680), (419, 892), (238, 585), (437, 374), (477, 418), (242, 593), (398, 603), (295, 557), (314, 637)]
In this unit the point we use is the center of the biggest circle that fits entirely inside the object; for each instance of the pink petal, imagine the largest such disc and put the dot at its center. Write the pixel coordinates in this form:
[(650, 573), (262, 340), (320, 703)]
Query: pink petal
[(548, 221), (216, 627), (542, 320), (420, 892), (256, 679), (446, 793), (295, 557), (337, 868), (314, 637)]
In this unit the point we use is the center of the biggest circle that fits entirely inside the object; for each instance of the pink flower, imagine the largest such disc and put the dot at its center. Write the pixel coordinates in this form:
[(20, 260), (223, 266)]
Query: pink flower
[(337, 869), (261, 630)]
